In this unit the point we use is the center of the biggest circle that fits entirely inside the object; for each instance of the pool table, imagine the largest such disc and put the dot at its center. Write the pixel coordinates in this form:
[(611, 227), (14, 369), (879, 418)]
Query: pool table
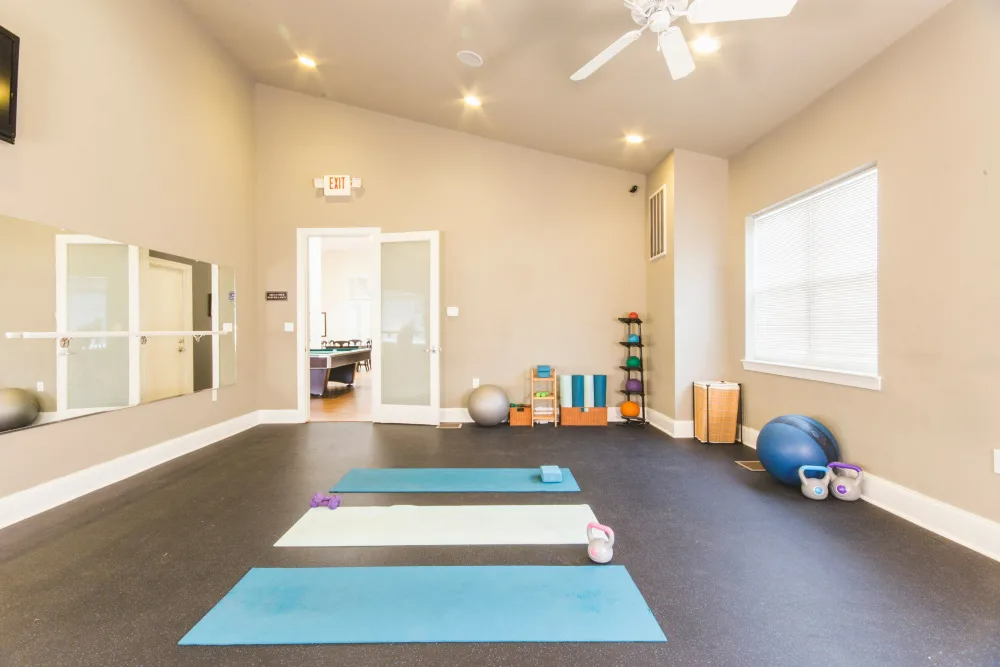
[(336, 365)]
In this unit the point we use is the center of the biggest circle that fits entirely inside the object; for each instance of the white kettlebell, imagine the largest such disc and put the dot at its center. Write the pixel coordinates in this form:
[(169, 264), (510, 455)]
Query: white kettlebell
[(599, 549)]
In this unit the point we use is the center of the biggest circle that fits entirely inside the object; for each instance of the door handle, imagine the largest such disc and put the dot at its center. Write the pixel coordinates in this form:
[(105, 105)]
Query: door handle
[(433, 350)]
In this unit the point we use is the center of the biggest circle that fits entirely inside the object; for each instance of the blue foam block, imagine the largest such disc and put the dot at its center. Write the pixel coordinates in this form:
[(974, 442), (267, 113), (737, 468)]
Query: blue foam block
[(450, 480), (376, 605), (551, 474)]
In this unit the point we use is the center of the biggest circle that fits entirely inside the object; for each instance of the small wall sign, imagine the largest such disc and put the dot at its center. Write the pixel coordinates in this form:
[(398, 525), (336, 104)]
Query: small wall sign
[(337, 185), (276, 296)]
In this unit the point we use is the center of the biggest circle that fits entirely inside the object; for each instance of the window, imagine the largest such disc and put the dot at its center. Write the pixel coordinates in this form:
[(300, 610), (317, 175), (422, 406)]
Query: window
[(658, 224), (812, 284)]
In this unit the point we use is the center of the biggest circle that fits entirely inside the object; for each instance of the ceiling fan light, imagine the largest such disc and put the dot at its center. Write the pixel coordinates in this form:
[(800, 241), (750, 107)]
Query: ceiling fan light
[(705, 45)]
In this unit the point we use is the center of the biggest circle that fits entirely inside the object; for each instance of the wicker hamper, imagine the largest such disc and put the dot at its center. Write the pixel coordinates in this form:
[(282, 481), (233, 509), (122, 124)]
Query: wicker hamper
[(716, 411)]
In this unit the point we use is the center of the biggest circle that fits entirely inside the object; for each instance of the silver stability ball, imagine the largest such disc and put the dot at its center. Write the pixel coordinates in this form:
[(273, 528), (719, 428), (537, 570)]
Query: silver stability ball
[(488, 405), (18, 408)]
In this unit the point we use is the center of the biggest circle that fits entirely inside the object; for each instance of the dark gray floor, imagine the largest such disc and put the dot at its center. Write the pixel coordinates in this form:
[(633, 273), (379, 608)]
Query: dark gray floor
[(738, 570)]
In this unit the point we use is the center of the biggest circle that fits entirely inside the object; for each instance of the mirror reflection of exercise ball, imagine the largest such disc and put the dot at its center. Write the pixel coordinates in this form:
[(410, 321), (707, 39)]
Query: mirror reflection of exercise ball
[(488, 405), (18, 408)]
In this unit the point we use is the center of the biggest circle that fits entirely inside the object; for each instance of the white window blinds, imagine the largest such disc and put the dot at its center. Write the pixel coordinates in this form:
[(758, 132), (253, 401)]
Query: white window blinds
[(813, 279)]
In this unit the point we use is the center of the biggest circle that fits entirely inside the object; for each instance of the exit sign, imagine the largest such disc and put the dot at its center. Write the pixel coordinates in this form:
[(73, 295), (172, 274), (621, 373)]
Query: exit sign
[(337, 186)]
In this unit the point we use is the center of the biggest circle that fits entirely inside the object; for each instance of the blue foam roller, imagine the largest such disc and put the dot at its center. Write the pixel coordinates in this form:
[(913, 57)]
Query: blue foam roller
[(577, 391), (600, 391), (551, 474)]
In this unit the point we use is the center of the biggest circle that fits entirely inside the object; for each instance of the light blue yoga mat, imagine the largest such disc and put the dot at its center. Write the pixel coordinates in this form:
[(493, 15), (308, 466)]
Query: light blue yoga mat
[(376, 605), (450, 480)]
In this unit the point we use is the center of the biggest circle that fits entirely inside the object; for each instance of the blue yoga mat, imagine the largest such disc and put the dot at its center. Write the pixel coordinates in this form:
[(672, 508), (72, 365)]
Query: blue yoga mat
[(577, 391), (450, 480), (601, 391), (376, 605)]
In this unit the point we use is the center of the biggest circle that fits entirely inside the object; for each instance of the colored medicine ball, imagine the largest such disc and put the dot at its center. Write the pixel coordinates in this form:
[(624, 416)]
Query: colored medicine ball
[(633, 316), (789, 442), (633, 385), (633, 338), (633, 362), (630, 409)]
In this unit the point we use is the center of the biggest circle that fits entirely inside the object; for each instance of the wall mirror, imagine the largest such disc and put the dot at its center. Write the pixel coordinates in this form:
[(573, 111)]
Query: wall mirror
[(90, 324)]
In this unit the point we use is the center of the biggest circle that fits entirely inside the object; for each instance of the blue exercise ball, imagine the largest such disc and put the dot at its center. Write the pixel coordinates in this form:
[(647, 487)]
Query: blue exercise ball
[(789, 442)]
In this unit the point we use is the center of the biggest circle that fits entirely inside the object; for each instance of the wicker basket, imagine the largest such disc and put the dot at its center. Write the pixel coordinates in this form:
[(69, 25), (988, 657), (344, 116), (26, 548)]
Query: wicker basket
[(584, 416), (520, 416), (716, 411)]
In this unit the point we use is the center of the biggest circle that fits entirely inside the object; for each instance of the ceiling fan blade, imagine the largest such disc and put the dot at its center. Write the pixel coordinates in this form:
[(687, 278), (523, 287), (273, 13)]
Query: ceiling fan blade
[(676, 52), (606, 55), (718, 11)]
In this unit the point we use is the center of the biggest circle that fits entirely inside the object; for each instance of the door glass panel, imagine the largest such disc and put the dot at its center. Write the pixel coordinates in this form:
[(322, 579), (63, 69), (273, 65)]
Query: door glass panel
[(406, 370), (97, 299)]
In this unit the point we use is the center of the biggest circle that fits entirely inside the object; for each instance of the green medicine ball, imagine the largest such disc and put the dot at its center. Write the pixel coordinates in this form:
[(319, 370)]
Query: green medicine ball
[(633, 362)]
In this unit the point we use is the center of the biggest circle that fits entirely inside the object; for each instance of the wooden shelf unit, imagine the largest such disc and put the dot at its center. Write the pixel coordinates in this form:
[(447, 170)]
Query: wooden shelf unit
[(551, 385)]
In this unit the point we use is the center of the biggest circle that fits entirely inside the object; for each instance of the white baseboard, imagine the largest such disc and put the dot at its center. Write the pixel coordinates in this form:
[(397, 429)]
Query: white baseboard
[(670, 426), (279, 417), (953, 523), (970, 530), (23, 504)]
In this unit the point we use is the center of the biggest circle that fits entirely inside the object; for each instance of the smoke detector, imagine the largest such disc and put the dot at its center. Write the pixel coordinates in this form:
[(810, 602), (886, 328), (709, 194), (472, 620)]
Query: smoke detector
[(470, 58)]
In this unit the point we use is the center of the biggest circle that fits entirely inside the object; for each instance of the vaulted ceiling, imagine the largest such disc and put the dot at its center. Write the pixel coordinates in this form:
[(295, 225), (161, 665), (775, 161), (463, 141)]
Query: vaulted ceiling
[(399, 57)]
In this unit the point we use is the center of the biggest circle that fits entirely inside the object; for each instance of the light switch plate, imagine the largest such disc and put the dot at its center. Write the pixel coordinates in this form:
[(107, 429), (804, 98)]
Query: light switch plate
[(289, 327), (452, 311), (996, 461), (40, 386), (475, 383), (215, 394)]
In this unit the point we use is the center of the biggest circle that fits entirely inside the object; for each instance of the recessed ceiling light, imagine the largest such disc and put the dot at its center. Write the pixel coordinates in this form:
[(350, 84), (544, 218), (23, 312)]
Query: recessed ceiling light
[(634, 139), (473, 101), (705, 44), (470, 58), (307, 61)]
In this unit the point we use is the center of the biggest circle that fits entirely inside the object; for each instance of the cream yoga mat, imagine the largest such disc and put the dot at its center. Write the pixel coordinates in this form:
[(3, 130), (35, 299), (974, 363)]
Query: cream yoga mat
[(444, 525), (565, 391), (588, 391)]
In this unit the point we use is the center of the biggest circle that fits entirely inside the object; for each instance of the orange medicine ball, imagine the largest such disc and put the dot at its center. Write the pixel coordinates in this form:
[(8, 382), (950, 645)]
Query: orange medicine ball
[(630, 409), (633, 316)]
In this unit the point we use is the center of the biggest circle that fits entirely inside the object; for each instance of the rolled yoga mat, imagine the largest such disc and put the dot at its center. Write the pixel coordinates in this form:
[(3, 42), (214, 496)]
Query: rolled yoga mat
[(565, 391), (588, 391), (450, 480), (577, 391), (443, 525), (381, 605), (601, 391)]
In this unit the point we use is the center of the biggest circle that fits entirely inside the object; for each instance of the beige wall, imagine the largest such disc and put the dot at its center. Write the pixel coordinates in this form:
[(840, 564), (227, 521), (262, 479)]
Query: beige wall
[(686, 288), (28, 303), (134, 126), (928, 110), (339, 266), (541, 253), (701, 183), (658, 320)]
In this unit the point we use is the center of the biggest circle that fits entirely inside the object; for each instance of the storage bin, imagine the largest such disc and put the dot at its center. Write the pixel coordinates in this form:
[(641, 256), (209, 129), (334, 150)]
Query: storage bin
[(716, 411)]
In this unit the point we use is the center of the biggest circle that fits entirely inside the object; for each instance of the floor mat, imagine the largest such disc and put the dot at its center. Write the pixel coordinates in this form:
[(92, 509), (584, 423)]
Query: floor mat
[(451, 480), (375, 605), (409, 525)]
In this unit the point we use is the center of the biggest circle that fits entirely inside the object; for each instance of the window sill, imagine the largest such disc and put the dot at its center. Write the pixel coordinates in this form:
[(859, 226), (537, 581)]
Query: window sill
[(859, 380)]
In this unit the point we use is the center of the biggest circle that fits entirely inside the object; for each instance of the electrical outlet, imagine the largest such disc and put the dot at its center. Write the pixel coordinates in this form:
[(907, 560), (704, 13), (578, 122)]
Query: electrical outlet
[(40, 386), (289, 327), (475, 382), (996, 461)]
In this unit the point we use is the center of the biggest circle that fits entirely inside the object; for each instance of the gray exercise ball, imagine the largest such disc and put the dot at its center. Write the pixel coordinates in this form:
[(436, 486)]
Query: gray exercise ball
[(488, 405), (18, 408)]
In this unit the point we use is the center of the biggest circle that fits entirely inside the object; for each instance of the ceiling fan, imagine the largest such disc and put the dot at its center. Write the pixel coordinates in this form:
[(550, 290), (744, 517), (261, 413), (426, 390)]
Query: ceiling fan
[(659, 15)]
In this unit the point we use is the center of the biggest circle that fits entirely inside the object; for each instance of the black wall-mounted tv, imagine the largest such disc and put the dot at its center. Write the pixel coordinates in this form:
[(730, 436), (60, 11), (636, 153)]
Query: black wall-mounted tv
[(9, 45)]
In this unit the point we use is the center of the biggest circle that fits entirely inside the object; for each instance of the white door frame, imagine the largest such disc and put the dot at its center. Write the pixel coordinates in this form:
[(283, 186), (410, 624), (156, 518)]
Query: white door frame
[(418, 414), (62, 361), (303, 234)]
